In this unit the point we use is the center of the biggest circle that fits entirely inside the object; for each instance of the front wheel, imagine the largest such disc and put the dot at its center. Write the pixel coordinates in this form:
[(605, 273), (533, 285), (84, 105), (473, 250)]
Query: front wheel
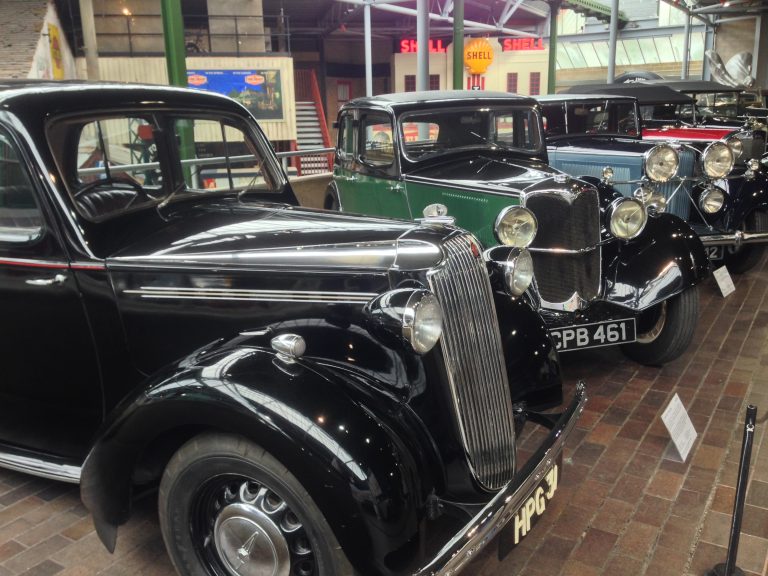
[(742, 259), (229, 508), (665, 330)]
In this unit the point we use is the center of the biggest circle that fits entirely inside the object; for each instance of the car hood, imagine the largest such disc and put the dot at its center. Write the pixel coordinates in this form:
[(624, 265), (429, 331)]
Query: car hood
[(232, 234), (485, 172)]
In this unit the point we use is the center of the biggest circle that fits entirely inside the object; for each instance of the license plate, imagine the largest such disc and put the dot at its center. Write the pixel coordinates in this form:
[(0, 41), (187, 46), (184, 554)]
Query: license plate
[(521, 524), (714, 252), (594, 335)]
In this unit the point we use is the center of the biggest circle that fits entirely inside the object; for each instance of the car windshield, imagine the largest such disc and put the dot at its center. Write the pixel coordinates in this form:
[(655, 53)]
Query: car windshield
[(430, 133), (119, 163), (590, 117)]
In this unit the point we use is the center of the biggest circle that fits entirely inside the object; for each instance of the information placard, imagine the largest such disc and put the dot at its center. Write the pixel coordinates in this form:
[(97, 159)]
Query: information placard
[(679, 426), (724, 281)]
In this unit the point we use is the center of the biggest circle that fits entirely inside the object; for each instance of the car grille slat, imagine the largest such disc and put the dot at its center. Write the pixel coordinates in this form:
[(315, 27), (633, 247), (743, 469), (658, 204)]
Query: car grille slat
[(566, 222), (474, 360)]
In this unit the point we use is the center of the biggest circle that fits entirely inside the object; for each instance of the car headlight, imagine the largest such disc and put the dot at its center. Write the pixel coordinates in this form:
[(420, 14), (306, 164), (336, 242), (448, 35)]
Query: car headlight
[(736, 146), (627, 218), (661, 163), (422, 321), (753, 164), (711, 200), (515, 226), (653, 201), (717, 160), (518, 271)]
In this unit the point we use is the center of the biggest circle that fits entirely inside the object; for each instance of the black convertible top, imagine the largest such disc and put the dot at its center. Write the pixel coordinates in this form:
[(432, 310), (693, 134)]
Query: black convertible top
[(696, 86), (645, 93)]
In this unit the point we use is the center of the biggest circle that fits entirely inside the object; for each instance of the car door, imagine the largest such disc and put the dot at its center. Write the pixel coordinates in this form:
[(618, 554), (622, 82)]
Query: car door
[(50, 395)]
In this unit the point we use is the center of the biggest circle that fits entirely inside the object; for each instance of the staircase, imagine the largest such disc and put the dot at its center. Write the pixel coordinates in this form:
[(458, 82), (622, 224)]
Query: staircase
[(311, 128)]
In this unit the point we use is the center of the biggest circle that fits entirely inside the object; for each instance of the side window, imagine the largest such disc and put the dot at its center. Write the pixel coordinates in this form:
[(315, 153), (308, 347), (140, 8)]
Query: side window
[(626, 119), (346, 144), (20, 217), (216, 155), (377, 147), (554, 119)]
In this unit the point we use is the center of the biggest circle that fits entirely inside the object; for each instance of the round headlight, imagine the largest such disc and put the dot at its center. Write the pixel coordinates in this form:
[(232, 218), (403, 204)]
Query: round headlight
[(736, 146), (711, 200), (515, 226), (519, 271), (661, 163), (422, 321), (627, 218), (717, 160), (644, 194), (753, 164)]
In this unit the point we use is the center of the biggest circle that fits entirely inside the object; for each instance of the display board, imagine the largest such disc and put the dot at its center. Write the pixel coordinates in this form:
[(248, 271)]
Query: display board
[(258, 90)]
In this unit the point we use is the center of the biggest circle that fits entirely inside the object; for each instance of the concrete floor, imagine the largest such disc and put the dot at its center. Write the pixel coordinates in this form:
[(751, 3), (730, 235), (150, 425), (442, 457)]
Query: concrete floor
[(624, 505)]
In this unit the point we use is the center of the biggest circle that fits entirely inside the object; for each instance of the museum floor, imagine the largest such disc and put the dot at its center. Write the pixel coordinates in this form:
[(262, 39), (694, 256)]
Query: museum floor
[(624, 506)]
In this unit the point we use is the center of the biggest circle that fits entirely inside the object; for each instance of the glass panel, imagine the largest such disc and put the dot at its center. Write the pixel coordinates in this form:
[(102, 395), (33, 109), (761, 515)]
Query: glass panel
[(590, 57), (20, 217), (601, 49), (634, 52), (649, 50), (622, 59), (563, 59), (378, 149), (346, 135), (575, 55), (664, 48)]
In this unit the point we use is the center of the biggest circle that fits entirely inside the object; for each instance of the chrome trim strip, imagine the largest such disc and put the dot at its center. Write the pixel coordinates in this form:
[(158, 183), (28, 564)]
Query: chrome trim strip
[(42, 468), (34, 263), (173, 292), (480, 531), (734, 239)]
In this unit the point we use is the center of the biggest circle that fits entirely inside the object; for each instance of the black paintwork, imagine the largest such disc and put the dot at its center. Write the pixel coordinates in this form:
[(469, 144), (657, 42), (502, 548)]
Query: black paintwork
[(101, 369)]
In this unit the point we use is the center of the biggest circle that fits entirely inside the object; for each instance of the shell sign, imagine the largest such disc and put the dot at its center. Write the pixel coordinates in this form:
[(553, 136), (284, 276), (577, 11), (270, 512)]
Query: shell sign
[(254, 79), (478, 55)]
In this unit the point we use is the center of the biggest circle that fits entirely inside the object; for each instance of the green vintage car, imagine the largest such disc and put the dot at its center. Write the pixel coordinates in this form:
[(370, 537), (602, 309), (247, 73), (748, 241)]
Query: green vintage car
[(602, 269)]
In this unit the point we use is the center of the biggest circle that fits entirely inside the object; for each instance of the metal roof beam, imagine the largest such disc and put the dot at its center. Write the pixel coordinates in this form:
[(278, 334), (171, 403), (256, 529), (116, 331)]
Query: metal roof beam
[(387, 6), (704, 19)]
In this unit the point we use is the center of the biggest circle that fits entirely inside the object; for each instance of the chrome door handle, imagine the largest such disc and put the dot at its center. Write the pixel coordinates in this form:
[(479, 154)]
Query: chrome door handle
[(396, 187), (56, 280)]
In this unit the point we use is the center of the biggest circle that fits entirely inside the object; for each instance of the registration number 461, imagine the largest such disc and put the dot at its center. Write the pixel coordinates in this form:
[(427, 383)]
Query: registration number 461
[(594, 335)]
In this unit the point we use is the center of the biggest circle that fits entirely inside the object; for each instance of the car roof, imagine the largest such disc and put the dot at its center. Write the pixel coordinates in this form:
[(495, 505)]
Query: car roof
[(407, 99), (576, 97), (645, 93), (45, 97), (697, 86)]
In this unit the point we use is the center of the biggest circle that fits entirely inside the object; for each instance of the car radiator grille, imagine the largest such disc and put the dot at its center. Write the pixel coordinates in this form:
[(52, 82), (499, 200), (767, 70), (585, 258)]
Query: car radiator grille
[(680, 203), (475, 363), (566, 223)]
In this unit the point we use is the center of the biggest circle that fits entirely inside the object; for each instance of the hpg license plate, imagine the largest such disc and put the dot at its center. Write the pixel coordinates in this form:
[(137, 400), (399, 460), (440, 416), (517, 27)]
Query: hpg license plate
[(594, 335)]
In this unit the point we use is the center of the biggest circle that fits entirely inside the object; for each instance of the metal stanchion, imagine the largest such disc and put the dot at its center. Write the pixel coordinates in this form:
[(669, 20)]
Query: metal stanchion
[(730, 568)]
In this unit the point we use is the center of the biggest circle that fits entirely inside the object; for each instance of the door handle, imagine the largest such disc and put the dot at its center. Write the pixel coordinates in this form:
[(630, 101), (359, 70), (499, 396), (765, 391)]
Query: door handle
[(55, 281), (396, 187), (352, 178)]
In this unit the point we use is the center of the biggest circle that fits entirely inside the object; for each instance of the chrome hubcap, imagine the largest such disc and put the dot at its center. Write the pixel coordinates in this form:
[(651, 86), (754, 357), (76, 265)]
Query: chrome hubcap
[(655, 330)]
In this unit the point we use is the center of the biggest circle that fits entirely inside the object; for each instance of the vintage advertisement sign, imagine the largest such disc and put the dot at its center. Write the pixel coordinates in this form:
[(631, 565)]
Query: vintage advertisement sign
[(57, 60), (258, 90), (478, 55)]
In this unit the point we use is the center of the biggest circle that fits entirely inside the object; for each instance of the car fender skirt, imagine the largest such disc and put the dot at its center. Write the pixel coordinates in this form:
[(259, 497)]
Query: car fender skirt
[(352, 450), (665, 260)]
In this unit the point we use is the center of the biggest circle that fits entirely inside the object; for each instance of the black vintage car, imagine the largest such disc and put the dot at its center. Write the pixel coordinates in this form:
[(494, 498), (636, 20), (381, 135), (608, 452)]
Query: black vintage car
[(600, 269), (311, 392)]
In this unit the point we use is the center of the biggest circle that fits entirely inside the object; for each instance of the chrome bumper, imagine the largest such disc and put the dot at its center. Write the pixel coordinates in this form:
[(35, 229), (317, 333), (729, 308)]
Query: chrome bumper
[(734, 239), (484, 527)]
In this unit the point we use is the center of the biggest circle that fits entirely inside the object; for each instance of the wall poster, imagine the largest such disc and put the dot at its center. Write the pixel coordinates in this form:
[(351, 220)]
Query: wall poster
[(258, 90)]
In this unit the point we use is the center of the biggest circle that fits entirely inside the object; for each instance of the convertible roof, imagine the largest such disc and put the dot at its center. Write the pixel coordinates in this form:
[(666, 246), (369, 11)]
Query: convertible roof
[(438, 96), (645, 93), (576, 97), (696, 86)]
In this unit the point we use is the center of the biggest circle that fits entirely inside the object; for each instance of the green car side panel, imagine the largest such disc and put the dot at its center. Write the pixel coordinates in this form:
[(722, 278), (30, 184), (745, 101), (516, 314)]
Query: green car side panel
[(372, 195), (474, 210)]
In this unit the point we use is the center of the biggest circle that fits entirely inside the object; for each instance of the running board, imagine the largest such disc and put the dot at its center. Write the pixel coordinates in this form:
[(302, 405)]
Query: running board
[(53, 469)]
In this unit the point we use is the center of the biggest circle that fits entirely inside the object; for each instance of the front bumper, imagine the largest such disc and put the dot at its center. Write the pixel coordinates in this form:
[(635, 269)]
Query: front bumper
[(734, 238), (487, 523)]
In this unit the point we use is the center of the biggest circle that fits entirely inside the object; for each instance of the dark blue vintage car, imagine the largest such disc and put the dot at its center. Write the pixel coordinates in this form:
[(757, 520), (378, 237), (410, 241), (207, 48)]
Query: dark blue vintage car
[(717, 186), (298, 386)]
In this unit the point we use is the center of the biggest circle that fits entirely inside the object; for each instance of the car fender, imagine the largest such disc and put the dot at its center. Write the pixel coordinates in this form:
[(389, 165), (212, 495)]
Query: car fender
[(666, 259), (356, 462), (745, 197)]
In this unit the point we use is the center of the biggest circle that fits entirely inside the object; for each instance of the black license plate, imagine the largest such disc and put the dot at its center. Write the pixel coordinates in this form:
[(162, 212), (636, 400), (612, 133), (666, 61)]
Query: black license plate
[(525, 518), (594, 335), (714, 252)]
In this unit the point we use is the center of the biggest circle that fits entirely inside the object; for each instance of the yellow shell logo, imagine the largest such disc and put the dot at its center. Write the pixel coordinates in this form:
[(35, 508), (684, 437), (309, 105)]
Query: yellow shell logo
[(478, 55)]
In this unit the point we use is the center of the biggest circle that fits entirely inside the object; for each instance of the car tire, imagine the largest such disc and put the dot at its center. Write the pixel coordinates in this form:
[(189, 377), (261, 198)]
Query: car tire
[(332, 199), (217, 489), (746, 257), (665, 330)]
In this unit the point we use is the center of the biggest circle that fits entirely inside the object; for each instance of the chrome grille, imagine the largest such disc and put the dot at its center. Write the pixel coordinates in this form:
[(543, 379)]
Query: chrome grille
[(566, 222), (475, 363)]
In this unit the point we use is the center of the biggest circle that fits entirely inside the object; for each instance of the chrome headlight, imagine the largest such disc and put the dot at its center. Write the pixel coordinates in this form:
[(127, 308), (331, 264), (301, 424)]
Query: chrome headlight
[(653, 201), (515, 226), (712, 200), (627, 218), (717, 160), (422, 321), (518, 271), (736, 146), (753, 164), (661, 163), (644, 194)]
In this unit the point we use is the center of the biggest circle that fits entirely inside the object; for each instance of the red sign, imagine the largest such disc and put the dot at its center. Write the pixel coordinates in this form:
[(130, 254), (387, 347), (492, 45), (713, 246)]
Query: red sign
[(510, 44), (254, 79), (408, 45), (197, 79)]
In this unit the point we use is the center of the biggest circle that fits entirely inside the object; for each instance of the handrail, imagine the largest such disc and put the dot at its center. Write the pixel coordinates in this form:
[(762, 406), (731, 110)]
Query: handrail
[(321, 115)]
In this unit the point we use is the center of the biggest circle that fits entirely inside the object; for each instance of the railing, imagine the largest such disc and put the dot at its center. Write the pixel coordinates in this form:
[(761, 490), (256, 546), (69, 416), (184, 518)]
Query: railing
[(307, 89), (142, 35)]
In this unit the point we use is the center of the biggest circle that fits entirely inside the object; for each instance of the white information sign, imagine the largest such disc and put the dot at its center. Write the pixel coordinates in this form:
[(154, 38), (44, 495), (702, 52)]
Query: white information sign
[(679, 426), (724, 281)]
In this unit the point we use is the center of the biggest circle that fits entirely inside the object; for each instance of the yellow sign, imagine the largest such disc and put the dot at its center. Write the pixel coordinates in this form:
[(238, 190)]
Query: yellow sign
[(57, 61), (478, 55)]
